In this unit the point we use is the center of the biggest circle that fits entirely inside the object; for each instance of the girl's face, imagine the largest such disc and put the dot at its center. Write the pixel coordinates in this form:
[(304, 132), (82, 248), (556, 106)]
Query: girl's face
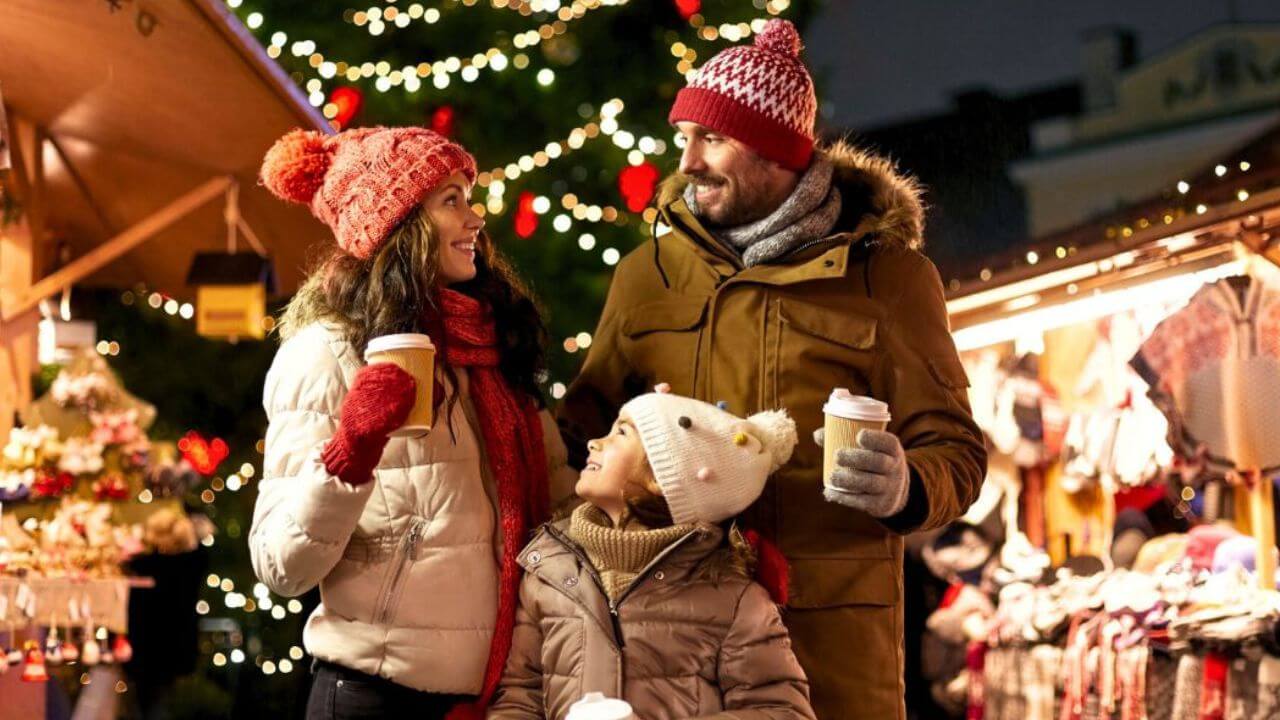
[(616, 461), (457, 228)]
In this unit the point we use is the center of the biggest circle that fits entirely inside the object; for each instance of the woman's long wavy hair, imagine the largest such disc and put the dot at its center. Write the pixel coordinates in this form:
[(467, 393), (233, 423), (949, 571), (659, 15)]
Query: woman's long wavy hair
[(394, 291)]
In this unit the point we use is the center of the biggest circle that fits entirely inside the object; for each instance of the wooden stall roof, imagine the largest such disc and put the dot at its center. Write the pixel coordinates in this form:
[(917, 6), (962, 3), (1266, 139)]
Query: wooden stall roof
[(143, 102)]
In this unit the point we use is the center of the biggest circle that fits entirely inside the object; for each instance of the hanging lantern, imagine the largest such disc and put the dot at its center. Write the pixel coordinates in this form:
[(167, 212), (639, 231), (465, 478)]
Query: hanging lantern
[(231, 294)]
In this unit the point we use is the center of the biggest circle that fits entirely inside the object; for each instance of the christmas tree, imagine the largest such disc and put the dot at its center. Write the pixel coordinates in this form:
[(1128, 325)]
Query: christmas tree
[(563, 103)]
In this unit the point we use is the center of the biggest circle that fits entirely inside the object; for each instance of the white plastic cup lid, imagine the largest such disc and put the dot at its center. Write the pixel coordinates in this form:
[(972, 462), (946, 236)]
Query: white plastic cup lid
[(595, 706), (845, 404), (401, 341)]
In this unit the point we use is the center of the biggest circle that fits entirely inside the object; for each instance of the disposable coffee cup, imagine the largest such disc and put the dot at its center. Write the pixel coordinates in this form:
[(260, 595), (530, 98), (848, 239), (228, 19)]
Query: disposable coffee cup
[(845, 415), (413, 353), (595, 706)]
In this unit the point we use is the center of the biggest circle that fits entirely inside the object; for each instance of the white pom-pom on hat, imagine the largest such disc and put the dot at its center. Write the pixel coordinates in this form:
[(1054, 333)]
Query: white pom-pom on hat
[(777, 433)]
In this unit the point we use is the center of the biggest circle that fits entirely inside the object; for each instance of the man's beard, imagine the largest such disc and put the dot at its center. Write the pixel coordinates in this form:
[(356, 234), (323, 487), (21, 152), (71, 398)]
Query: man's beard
[(735, 209)]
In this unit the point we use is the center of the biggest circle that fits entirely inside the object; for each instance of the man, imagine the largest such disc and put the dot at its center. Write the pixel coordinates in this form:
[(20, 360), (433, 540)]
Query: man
[(786, 272)]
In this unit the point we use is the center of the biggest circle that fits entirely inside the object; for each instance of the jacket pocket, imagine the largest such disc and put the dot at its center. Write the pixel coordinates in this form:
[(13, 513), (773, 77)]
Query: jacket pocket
[(661, 341), (389, 595), (852, 331), (833, 582)]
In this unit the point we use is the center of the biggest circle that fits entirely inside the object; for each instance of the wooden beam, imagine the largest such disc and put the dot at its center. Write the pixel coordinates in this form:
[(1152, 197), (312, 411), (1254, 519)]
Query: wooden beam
[(81, 185), (97, 258)]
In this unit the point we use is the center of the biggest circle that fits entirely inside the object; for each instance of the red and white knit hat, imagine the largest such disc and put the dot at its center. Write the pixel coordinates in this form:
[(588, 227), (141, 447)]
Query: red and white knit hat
[(760, 95), (362, 183)]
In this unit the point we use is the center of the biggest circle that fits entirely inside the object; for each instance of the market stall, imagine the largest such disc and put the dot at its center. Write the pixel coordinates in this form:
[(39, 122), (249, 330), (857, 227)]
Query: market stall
[(1123, 553), (132, 136)]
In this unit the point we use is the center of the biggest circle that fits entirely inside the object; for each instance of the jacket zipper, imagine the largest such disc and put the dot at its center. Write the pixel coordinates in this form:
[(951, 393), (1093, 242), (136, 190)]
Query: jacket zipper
[(615, 620), (408, 545)]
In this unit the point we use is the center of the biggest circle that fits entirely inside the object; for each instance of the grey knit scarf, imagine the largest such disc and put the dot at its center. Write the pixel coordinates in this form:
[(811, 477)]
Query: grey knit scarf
[(809, 213)]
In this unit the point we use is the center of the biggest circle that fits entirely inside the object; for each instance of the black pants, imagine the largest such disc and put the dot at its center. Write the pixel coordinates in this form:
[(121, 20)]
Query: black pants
[(338, 693)]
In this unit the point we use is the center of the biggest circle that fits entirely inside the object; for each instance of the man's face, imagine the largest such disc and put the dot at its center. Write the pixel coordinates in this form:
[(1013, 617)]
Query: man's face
[(732, 184)]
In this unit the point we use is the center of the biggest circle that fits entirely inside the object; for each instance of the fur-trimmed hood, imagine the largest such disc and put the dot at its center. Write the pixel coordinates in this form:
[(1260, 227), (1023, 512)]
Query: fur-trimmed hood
[(878, 198)]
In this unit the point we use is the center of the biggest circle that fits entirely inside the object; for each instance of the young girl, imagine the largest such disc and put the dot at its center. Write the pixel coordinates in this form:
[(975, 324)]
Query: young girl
[(642, 594), (413, 541)]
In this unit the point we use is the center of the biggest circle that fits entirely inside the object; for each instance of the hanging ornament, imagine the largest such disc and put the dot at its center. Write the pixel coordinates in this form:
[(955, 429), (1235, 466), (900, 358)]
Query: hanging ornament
[(348, 100), (637, 184), (70, 653), (90, 654), (203, 455), (526, 217), (442, 120), (53, 648), (33, 669), (688, 8), (122, 649)]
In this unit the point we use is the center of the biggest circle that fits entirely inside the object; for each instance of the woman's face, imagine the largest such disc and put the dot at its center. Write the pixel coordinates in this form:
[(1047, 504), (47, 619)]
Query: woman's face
[(616, 461), (457, 228)]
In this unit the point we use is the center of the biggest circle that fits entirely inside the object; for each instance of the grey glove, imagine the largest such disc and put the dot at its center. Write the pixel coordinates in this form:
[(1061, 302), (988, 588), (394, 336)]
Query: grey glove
[(873, 477)]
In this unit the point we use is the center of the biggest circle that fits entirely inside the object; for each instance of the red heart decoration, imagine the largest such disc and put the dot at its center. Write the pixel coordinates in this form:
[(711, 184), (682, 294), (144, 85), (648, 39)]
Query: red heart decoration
[(204, 455), (637, 184)]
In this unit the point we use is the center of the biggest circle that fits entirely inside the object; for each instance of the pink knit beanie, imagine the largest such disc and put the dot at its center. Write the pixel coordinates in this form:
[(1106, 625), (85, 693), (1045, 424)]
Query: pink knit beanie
[(760, 95), (362, 183)]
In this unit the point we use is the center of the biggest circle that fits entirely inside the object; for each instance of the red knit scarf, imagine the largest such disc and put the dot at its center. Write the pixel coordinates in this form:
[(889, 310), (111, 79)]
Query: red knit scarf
[(512, 435)]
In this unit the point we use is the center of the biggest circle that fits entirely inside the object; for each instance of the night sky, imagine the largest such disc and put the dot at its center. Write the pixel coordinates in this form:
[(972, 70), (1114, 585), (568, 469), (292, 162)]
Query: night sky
[(883, 60)]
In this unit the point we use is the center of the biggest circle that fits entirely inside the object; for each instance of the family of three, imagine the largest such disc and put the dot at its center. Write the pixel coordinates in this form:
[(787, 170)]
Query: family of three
[(706, 571)]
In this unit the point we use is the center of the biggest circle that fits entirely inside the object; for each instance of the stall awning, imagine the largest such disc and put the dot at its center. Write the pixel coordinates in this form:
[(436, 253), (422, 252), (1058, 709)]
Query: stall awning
[(145, 112), (1212, 224)]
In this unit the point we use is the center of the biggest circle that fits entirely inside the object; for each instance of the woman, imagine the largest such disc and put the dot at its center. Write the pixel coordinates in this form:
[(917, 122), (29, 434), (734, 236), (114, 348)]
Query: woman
[(413, 541)]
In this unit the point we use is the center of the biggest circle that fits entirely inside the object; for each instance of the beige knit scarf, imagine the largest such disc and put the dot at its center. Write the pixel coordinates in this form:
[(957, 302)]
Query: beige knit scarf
[(619, 554)]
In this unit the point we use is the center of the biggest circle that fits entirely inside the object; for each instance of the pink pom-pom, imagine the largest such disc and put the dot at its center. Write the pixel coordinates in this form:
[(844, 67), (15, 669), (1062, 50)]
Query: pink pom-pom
[(294, 167), (781, 37)]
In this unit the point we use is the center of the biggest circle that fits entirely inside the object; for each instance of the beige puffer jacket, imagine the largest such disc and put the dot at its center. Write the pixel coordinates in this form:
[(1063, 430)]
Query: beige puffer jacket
[(690, 638), (407, 564)]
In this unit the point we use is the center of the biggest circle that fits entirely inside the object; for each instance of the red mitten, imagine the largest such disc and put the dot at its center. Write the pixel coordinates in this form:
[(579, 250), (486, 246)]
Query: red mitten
[(378, 402)]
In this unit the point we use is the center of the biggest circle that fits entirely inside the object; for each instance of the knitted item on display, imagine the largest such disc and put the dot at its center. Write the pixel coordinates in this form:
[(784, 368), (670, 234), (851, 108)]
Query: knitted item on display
[(513, 442), (619, 554), (710, 464), (362, 183), (378, 402), (760, 95)]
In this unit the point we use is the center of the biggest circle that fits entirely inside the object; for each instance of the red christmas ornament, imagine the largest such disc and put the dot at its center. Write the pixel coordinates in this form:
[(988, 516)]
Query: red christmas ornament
[(349, 100), (637, 184), (204, 455), (526, 218), (688, 8), (442, 120)]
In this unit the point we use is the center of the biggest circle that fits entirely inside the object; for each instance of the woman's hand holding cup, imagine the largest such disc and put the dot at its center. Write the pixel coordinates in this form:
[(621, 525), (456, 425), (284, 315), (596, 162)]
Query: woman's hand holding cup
[(378, 402)]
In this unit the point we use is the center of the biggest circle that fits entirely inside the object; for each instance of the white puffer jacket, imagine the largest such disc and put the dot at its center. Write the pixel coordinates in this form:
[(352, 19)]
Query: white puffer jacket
[(407, 564)]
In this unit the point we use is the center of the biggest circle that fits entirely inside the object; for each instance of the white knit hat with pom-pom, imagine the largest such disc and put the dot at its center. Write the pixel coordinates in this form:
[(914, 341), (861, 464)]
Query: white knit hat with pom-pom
[(710, 464)]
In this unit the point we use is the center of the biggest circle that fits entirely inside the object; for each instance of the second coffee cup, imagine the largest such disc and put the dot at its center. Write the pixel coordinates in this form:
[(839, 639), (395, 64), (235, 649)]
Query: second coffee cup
[(846, 415), (415, 354)]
